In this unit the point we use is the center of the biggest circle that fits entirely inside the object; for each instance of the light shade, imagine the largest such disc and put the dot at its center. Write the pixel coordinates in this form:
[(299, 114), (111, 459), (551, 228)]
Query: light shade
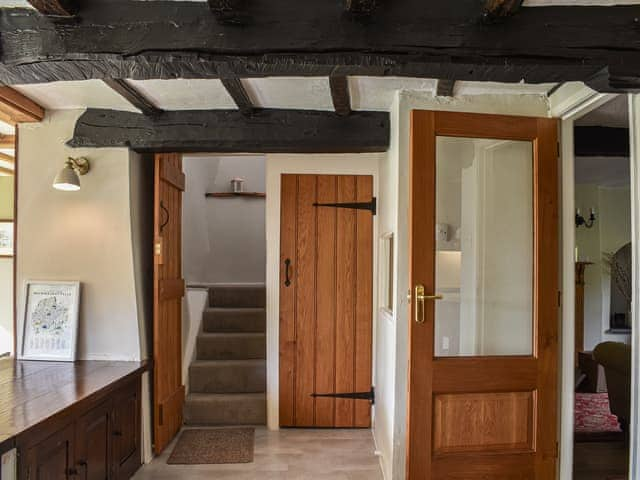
[(67, 180)]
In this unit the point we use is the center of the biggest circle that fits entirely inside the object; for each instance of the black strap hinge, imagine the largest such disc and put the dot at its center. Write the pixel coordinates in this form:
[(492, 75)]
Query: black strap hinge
[(370, 395), (371, 206)]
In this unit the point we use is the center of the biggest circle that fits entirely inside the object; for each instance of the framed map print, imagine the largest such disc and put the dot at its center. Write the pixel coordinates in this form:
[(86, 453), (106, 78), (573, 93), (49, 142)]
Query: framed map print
[(6, 238), (51, 321)]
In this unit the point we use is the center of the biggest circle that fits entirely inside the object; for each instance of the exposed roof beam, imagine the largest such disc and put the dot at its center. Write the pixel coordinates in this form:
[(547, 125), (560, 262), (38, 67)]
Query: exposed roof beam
[(61, 8), (445, 87), (360, 7), (500, 9), (7, 171), (133, 96), (601, 141), (411, 38), (226, 131), (239, 94), (7, 158), (16, 108), (230, 12), (7, 141), (340, 94)]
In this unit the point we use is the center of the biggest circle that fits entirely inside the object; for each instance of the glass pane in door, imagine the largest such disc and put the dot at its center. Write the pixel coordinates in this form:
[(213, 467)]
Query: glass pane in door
[(484, 247)]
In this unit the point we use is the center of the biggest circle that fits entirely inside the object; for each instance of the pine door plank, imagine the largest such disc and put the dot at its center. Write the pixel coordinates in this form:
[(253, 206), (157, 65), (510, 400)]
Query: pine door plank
[(364, 296), (325, 366), (305, 300), (289, 189), (346, 302)]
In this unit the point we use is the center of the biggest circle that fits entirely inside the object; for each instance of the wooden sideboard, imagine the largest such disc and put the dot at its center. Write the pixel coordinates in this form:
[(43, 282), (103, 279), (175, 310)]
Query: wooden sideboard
[(72, 420)]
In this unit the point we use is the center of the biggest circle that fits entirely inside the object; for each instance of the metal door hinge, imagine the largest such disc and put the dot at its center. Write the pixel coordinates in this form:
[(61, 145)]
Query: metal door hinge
[(371, 206), (370, 395)]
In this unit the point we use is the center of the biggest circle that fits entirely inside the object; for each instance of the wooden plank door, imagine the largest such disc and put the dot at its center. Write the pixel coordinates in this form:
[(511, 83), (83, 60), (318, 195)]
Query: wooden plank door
[(167, 302), (326, 253), (484, 301)]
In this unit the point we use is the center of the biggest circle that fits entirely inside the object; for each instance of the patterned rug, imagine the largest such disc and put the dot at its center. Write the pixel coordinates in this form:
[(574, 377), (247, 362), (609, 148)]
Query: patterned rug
[(594, 420), (215, 445)]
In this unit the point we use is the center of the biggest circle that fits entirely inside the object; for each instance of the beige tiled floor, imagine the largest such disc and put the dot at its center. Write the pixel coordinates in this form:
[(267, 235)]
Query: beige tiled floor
[(288, 454)]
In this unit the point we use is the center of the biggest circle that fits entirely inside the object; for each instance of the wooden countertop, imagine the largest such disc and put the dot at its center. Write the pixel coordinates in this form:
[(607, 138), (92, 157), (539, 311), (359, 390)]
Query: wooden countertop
[(32, 392)]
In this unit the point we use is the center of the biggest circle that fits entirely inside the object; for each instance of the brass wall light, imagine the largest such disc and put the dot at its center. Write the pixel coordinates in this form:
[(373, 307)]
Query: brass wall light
[(68, 179)]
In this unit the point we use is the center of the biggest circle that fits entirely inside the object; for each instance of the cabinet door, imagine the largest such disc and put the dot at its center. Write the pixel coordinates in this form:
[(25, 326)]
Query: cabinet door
[(126, 431), (92, 443), (52, 458)]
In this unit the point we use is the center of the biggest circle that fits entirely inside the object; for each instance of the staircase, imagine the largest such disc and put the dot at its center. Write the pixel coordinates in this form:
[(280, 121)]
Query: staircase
[(227, 381)]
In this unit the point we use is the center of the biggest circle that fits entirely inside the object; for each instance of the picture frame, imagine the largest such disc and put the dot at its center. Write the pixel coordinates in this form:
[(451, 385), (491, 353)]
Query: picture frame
[(6, 238), (51, 314)]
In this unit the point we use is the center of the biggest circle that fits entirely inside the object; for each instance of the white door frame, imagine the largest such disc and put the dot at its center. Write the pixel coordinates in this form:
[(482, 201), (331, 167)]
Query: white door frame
[(316, 164), (574, 103)]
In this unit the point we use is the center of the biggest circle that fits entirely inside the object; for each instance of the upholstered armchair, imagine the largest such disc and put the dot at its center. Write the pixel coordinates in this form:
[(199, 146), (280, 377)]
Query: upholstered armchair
[(615, 357)]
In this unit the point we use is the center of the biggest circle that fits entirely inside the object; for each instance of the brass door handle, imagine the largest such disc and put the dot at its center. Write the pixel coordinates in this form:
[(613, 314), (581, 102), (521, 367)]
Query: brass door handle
[(418, 306)]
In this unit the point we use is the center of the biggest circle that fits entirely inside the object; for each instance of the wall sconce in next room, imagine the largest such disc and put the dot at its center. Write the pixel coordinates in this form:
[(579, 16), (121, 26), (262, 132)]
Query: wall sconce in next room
[(68, 179), (580, 220)]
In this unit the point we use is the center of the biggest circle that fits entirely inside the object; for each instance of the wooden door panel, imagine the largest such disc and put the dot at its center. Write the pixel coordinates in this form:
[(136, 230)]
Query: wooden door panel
[(346, 301), (483, 422), (480, 417), (326, 303), (52, 458), (326, 311), (364, 303), (168, 293), (305, 312), (287, 341)]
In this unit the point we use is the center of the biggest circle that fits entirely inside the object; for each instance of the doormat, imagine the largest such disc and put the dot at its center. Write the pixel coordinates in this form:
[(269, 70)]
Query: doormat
[(594, 421), (217, 445)]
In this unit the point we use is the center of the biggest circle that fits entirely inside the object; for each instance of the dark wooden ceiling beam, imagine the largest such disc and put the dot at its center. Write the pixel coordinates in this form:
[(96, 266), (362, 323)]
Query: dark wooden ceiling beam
[(500, 9), (444, 87), (7, 141), (239, 94), (59, 8), (414, 38), (360, 7), (133, 96), (227, 131), (229, 12), (340, 94)]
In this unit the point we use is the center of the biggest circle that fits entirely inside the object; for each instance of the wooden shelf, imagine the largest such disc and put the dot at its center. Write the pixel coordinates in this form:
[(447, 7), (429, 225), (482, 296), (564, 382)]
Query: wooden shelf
[(235, 194)]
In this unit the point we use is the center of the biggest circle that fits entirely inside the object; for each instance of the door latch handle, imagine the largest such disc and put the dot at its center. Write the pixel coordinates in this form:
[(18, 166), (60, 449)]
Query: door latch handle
[(418, 307), (287, 264)]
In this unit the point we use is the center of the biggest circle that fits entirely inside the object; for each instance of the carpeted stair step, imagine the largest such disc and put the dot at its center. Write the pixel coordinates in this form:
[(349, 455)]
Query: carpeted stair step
[(231, 346), (228, 376), (234, 320), (226, 409), (237, 296)]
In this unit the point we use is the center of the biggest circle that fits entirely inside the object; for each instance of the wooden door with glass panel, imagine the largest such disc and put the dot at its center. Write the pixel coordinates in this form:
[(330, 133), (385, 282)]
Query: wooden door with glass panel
[(484, 300)]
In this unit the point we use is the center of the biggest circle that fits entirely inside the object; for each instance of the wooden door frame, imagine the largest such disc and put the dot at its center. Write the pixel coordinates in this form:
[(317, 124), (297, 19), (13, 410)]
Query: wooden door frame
[(316, 164), (422, 266)]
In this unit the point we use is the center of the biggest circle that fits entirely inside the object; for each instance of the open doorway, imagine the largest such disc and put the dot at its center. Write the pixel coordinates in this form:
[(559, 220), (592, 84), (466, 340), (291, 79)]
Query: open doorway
[(603, 286), (224, 251), (7, 237)]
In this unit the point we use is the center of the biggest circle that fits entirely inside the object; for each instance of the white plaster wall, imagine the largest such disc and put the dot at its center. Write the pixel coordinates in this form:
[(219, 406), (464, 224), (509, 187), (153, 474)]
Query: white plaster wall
[(223, 238), (195, 301), (386, 321), (611, 231), (527, 105), (84, 235), (278, 164)]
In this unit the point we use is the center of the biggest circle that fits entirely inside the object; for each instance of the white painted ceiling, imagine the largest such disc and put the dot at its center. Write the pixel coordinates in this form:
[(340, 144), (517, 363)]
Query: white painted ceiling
[(308, 93), (612, 114)]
